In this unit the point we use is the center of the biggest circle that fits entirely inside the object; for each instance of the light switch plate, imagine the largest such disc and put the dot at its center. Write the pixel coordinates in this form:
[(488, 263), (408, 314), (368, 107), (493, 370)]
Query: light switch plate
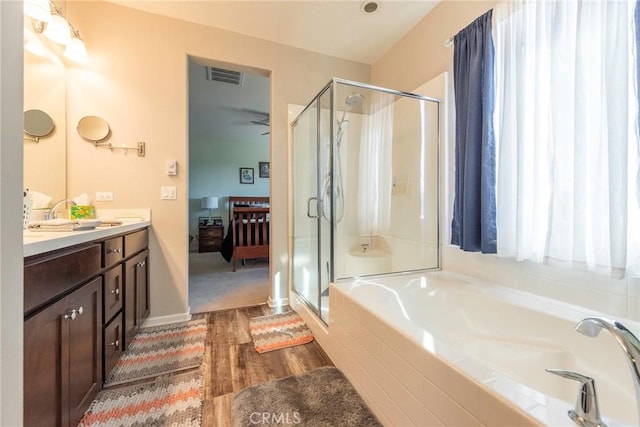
[(167, 193), (172, 167)]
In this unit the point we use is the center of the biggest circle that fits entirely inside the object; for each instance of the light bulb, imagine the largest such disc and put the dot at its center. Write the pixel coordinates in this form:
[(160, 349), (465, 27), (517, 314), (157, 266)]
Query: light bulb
[(38, 10), (36, 47), (58, 30), (76, 50)]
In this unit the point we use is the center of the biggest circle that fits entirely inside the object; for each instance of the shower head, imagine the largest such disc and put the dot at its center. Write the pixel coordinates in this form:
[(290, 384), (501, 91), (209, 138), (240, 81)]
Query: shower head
[(354, 100)]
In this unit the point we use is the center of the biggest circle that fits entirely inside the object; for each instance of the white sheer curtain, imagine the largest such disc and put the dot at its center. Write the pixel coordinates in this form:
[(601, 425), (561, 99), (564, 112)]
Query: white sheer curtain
[(375, 180), (565, 123)]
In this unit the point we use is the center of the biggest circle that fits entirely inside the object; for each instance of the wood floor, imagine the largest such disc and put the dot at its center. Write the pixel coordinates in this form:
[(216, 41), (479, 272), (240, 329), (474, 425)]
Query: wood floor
[(231, 363)]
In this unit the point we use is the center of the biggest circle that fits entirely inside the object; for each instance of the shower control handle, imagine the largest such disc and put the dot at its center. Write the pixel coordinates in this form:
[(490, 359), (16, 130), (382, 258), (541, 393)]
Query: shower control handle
[(309, 200), (586, 413)]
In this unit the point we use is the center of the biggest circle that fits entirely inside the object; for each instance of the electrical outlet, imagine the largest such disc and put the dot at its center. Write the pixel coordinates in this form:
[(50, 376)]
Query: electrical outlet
[(104, 196), (167, 193)]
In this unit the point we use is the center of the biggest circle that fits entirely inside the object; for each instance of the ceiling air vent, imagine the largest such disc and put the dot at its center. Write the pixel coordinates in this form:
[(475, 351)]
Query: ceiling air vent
[(226, 76)]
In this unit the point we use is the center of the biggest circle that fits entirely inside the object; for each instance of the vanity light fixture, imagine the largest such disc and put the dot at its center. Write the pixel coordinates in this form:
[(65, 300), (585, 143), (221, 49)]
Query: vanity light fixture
[(56, 28)]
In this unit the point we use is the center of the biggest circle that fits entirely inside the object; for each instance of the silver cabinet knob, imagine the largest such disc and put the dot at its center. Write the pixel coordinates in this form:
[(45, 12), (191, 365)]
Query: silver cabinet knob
[(141, 264), (116, 291), (115, 344), (114, 251), (71, 315)]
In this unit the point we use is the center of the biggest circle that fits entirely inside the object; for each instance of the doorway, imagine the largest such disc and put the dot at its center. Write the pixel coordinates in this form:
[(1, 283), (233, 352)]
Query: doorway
[(229, 140)]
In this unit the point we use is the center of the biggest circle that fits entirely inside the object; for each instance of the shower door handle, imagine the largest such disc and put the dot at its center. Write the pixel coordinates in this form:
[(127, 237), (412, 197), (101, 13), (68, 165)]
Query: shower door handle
[(309, 200)]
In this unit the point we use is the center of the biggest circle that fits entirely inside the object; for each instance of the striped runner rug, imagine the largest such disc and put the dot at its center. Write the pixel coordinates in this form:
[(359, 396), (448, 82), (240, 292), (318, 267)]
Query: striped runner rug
[(161, 350), (169, 401), (276, 331)]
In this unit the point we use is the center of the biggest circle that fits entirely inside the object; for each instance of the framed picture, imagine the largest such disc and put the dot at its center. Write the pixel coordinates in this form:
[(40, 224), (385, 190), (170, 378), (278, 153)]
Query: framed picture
[(204, 220), (263, 169), (217, 220), (246, 175)]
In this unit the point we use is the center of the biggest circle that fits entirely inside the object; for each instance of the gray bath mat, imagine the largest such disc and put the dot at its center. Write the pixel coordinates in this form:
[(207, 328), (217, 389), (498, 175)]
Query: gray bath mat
[(321, 397)]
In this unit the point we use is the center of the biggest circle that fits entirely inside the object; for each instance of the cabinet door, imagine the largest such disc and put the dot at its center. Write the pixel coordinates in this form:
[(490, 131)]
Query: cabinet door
[(63, 358), (129, 302), (143, 306), (85, 348), (45, 392), (136, 294)]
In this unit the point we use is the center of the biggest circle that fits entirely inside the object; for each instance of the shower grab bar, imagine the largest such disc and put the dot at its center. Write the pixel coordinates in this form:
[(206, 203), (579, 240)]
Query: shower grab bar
[(309, 200)]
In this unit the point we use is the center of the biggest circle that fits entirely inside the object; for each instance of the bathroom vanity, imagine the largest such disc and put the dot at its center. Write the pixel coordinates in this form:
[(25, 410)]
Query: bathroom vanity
[(85, 295)]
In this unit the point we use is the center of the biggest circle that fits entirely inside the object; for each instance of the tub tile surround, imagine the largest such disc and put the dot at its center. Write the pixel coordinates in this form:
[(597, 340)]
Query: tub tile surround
[(408, 378), (617, 298), (447, 396)]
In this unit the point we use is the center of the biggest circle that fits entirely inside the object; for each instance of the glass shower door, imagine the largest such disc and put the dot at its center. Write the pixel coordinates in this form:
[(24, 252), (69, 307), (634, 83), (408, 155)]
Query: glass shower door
[(311, 186), (305, 206)]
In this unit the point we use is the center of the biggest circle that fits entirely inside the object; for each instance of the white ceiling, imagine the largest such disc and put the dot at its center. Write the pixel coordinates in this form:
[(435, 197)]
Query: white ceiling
[(331, 27)]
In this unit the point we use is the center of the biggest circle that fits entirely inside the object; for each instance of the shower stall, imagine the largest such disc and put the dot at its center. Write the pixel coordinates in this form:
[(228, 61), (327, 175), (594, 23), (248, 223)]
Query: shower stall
[(364, 187)]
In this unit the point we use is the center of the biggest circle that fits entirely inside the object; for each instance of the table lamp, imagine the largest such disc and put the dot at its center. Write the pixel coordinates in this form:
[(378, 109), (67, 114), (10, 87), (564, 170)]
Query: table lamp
[(210, 203)]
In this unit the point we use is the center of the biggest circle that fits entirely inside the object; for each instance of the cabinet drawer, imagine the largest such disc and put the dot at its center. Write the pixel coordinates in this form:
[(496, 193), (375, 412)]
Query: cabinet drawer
[(135, 242), (47, 277), (112, 251), (112, 344), (210, 233), (113, 292)]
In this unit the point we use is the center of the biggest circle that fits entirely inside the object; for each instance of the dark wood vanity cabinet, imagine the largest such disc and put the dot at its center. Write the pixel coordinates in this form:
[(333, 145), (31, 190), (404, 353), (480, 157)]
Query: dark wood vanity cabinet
[(126, 292), (63, 358), (76, 301)]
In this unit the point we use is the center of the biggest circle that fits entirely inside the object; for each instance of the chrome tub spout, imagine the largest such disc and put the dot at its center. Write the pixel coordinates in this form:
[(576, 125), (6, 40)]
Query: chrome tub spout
[(591, 327)]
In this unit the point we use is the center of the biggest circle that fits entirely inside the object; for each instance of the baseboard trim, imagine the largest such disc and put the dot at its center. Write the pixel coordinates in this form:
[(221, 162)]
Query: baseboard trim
[(163, 320), (277, 303)]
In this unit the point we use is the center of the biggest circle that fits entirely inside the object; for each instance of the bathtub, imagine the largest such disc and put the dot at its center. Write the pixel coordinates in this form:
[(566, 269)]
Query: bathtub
[(443, 349)]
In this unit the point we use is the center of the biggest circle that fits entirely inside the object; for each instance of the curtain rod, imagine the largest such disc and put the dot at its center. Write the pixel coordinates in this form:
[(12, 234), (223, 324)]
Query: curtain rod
[(448, 42)]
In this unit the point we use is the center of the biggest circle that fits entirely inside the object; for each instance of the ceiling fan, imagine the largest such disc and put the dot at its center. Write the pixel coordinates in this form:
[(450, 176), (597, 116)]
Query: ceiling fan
[(263, 122)]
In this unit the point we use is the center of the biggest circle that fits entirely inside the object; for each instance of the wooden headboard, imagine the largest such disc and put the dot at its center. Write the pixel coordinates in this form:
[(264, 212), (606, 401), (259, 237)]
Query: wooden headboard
[(246, 200)]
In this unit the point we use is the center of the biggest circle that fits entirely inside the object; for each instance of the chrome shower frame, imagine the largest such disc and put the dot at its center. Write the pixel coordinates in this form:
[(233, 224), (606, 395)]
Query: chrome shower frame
[(331, 88)]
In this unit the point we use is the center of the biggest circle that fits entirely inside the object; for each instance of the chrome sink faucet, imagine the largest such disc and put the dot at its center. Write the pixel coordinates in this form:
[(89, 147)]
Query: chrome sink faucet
[(53, 212), (591, 327)]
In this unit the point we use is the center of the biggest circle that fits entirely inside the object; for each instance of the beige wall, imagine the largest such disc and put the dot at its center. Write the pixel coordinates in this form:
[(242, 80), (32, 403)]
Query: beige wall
[(421, 55), (137, 80)]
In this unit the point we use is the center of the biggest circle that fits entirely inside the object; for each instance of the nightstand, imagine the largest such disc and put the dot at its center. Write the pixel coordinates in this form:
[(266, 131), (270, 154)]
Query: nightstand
[(210, 238)]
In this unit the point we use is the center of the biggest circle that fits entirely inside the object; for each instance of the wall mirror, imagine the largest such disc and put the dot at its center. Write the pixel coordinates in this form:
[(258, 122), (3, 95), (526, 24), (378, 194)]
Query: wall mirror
[(38, 124), (44, 168), (94, 128)]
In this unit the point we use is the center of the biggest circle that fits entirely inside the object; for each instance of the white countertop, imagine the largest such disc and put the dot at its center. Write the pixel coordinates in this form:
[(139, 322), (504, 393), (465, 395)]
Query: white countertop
[(38, 242)]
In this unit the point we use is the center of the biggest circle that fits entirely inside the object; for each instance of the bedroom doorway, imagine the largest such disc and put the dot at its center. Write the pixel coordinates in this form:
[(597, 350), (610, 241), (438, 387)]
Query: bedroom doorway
[(229, 144)]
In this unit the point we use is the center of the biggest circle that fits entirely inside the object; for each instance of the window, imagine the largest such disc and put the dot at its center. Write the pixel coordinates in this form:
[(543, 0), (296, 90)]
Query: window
[(565, 123)]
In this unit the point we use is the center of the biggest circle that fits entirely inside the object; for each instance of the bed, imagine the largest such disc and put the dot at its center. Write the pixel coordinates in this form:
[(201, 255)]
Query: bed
[(248, 231)]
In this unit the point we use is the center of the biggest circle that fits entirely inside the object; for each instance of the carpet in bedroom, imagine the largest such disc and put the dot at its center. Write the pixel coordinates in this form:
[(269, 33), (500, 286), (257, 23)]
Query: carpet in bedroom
[(213, 286)]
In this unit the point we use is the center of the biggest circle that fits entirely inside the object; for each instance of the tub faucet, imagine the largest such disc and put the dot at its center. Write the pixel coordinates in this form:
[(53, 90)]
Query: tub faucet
[(53, 212), (591, 327)]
